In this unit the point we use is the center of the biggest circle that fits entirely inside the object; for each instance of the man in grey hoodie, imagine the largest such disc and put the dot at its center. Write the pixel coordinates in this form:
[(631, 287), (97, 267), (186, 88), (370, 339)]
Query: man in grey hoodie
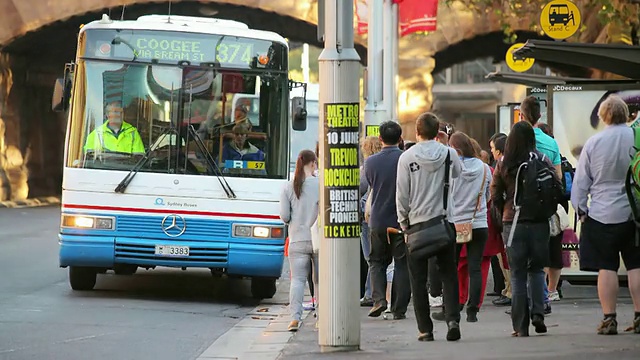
[(419, 195)]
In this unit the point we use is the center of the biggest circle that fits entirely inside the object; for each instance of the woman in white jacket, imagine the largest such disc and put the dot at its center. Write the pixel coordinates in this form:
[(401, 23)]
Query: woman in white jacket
[(469, 212), (299, 209)]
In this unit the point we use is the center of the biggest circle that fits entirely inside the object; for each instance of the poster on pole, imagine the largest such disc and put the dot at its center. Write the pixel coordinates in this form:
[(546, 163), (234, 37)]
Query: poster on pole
[(341, 171)]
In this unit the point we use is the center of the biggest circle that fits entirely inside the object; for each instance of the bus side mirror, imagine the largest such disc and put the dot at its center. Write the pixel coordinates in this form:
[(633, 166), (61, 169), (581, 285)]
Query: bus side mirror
[(299, 114), (62, 91)]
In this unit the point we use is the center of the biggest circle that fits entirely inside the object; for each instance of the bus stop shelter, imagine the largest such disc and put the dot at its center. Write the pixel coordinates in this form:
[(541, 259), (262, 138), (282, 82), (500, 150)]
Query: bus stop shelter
[(618, 59)]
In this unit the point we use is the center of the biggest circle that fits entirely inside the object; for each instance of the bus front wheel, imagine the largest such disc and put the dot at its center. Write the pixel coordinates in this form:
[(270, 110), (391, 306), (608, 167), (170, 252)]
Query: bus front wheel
[(82, 278), (263, 288)]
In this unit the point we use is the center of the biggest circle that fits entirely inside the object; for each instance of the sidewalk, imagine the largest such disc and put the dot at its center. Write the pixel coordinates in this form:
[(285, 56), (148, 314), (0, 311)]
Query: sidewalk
[(571, 335), (41, 201)]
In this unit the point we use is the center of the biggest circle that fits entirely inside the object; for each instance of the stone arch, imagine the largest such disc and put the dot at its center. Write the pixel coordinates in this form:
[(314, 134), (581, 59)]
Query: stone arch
[(29, 15)]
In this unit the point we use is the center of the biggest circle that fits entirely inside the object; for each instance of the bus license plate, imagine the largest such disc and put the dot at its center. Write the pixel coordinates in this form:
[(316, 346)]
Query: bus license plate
[(172, 250)]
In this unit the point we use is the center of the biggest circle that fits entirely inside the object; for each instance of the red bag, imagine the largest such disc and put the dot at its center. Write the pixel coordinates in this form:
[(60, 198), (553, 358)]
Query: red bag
[(570, 242)]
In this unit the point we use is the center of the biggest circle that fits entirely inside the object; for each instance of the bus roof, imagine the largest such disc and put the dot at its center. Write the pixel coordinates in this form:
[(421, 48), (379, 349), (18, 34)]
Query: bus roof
[(188, 24)]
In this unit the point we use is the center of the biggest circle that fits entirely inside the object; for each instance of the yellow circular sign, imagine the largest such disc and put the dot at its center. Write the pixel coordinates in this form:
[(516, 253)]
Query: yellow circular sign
[(560, 19), (518, 63)]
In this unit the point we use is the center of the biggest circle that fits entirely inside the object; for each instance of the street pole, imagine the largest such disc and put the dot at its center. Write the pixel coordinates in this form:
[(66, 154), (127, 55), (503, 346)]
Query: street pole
[(338, 307), (390, 71), (375, 110)]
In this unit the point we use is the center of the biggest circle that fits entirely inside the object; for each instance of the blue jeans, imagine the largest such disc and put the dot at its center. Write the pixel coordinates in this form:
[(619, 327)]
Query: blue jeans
[(300, 256), (365, 241), (528, 254)]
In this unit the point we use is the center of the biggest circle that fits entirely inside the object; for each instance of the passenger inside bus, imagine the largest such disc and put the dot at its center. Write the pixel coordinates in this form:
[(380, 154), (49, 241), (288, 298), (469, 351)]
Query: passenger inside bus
[(115, 135), (239, 148), (241, 115)]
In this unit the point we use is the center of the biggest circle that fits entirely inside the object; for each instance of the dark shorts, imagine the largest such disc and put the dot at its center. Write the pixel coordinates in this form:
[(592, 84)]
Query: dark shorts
[(601, 246), (555, 252)]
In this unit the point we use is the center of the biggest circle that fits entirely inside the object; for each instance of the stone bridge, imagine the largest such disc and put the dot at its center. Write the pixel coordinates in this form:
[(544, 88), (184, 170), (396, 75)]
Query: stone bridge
[(38, 37)]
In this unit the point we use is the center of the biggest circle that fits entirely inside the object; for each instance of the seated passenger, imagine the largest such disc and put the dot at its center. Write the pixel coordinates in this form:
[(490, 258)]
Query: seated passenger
[(239, 148), (241, 115), (115, 134)]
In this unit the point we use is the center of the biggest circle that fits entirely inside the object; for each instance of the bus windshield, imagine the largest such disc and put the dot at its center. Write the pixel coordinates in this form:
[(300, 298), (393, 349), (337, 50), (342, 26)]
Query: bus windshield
[(178, 114)]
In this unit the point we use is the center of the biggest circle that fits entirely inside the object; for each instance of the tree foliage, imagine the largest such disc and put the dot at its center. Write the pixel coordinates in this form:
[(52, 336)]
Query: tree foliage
[(617, 13)]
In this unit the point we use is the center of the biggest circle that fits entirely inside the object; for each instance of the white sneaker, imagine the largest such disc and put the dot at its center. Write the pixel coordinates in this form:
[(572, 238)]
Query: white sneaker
[(553, 296), (435, 301)]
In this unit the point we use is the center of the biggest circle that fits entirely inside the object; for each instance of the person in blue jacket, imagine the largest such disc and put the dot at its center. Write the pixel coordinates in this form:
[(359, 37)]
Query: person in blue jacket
[(239, 148)]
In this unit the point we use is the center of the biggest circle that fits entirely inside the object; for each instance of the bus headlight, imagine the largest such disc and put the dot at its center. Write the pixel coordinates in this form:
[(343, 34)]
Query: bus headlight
[(258, 231), (261, 232), (88, 222), (242, 231)]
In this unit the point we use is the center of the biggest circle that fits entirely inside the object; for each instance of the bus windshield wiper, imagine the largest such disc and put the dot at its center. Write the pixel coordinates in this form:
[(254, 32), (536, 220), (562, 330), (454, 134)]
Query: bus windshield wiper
[(191, 132), (122, 186)]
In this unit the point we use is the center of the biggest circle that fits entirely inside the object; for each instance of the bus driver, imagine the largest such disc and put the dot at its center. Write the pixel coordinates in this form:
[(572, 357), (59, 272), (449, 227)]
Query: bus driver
[(115, 134)]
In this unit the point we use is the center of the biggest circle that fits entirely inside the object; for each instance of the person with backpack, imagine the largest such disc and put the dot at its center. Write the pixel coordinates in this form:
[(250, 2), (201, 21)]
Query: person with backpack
[(554, 268), (526, 188), (608, 228), (545, 144)]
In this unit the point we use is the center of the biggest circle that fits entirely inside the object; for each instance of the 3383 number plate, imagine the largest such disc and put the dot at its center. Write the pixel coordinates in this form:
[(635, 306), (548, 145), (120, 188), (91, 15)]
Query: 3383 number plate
[(172, 250)]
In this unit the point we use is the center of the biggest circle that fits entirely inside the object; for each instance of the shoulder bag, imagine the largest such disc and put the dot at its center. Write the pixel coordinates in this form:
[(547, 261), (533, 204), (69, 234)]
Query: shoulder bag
[(464, 231), (430, 237)]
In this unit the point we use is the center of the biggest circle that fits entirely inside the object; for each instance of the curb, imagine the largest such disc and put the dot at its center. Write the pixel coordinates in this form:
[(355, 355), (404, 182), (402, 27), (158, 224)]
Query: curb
[(262, 334), (35, 202)]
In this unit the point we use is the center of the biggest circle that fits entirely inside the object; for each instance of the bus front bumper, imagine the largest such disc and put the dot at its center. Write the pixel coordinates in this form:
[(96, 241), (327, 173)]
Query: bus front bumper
[(238, 259)]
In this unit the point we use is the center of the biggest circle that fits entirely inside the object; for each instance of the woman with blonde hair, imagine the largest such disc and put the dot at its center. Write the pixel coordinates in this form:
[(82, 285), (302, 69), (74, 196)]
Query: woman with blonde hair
[(299, 209), (370, 145)]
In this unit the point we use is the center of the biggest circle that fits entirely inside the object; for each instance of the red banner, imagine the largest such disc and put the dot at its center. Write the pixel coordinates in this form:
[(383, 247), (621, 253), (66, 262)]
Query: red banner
[(362, 16), (413, 16), (417, 15)]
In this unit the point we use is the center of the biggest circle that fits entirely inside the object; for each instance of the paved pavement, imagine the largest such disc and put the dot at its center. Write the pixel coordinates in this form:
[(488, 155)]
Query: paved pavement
[(171, 314), (571, 336), (157, 314)]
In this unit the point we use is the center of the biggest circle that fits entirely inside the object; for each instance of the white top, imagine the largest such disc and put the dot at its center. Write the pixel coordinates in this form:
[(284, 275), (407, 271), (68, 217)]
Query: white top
[(189, 24)]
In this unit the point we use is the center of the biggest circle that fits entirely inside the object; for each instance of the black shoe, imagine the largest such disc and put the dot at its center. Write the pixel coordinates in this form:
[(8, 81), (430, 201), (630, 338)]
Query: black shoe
[(494, 294), (377, 310), (538, 323), (502, 301), (547, 308), (560, 292), (472, 318), (439, 316), (399, 316), (453, 334), (366, 302), (428, 336), (472, 315)]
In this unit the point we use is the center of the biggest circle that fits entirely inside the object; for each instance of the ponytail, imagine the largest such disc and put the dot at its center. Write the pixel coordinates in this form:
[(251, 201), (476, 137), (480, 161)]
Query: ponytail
[(304, 158)]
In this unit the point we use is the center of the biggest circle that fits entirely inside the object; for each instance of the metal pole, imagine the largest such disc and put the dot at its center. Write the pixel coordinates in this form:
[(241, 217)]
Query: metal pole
[(390, 21), (338, 307), (375, 110), (395, 39), (305, 63)]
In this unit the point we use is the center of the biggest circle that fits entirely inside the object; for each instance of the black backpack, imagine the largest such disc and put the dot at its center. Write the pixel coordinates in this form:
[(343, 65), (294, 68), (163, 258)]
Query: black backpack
[(538, 192)]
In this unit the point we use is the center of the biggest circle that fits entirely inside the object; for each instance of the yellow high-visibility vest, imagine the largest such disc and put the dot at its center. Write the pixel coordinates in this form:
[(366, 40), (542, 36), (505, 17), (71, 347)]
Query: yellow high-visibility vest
[(127, 140)]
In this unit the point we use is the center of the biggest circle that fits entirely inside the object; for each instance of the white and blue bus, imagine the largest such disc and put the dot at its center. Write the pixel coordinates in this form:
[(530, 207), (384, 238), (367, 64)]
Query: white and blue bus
[(160, 170)]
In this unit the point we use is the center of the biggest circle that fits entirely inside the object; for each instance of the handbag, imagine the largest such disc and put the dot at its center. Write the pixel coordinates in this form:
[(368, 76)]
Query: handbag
[(430, 237), (558, 222), (464, 231)]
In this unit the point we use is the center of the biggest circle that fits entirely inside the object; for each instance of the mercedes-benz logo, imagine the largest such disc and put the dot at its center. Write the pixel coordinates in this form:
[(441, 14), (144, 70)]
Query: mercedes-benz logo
[(173, 225)]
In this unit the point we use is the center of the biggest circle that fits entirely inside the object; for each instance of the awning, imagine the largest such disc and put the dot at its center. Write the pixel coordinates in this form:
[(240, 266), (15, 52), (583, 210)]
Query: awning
[(530, 79), (619, 59)]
